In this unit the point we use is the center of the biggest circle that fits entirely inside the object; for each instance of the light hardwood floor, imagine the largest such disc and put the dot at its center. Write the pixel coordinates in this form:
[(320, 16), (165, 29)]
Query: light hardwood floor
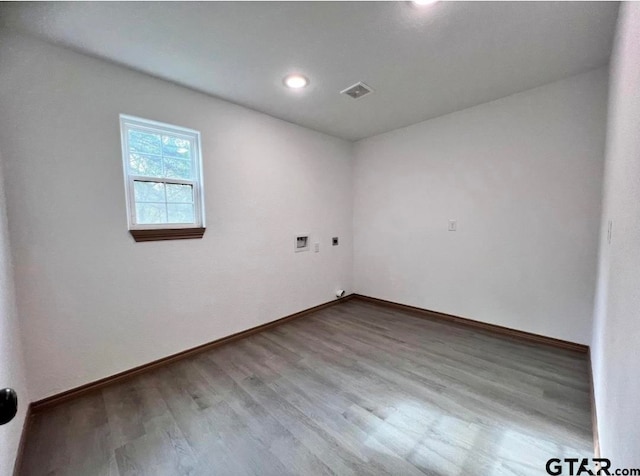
[(353, 389)]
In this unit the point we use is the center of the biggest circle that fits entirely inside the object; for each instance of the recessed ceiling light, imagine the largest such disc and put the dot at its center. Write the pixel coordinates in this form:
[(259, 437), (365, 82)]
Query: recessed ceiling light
[(423, 3), (295, 81)]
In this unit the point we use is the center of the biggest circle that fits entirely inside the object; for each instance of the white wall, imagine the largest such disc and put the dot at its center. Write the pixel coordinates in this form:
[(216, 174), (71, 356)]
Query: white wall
[(522, 175), (616, 336), (93, 301), (12, 372)]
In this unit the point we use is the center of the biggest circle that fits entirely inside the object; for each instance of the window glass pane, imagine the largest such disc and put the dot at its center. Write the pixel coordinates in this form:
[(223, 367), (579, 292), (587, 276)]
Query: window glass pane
[(177, 168), (149, 191), (149, 213), (180, 213), (156, 153), (176, 147), (147, 165), (144, 142), (179, 193)]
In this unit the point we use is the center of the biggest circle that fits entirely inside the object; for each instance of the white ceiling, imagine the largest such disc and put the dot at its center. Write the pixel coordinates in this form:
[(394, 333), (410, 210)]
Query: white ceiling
[(422, 63)]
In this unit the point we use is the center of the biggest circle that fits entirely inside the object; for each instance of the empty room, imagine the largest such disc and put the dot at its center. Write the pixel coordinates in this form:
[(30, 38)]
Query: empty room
[(319, 238)]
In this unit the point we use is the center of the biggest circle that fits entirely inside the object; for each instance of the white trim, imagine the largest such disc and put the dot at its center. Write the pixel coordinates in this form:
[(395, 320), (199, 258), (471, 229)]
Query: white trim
[(149, 124), (193, 136)]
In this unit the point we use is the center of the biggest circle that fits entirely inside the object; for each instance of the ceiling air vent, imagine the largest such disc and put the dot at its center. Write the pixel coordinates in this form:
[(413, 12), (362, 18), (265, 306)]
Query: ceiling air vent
[(357, 90)]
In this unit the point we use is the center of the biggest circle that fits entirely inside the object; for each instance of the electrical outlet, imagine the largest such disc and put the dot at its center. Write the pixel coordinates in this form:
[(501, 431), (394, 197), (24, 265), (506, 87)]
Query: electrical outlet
[(316, 247), (453, 225), (334, 241)]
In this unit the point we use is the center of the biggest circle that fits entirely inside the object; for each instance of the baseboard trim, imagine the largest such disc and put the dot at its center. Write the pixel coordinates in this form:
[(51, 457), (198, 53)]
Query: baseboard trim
[(76, 392), (492, 328), (17, 465), (420, 312), (594, 411)]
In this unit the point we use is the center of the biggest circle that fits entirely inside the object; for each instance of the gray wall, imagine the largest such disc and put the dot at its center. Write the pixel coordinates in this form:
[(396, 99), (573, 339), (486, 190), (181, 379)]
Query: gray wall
[(522, 176), (12, 371), (93, 301), (616, 336)]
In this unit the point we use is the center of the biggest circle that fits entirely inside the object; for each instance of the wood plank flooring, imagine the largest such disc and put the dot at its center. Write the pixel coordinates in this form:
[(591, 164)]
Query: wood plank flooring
[(355, 389)]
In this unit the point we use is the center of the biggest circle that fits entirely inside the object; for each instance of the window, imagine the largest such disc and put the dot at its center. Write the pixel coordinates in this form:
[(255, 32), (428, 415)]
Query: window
[(163, 180)]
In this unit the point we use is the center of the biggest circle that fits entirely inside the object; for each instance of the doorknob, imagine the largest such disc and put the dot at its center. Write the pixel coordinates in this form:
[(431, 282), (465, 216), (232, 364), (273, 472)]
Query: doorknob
[(8, 405)]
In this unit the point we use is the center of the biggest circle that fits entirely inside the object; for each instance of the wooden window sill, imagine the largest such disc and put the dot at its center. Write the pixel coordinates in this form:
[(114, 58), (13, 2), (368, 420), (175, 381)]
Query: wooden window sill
[(167, 234)]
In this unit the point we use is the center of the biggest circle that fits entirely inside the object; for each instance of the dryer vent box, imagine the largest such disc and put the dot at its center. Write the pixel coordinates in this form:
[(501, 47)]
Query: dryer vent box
[(302, 243)]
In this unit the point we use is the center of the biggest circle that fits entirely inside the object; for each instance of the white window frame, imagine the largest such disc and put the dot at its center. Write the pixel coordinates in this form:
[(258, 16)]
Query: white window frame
[(131, 122)]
